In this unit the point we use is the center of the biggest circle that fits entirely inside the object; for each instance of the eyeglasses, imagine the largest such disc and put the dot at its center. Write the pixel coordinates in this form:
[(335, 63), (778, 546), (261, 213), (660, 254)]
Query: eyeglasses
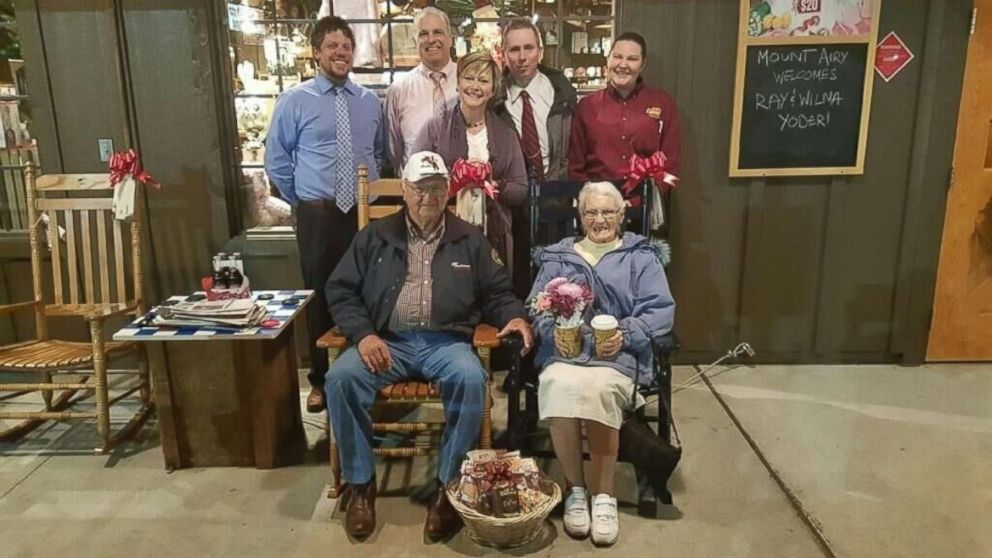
[(606, 214), (436, 191)]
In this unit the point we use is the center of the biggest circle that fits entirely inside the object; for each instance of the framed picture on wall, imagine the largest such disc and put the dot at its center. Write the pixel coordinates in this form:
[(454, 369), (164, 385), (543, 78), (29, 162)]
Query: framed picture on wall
[(809, 18)]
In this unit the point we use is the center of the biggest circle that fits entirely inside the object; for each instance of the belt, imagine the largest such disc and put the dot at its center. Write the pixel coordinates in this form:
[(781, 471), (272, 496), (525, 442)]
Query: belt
[(320, 203)]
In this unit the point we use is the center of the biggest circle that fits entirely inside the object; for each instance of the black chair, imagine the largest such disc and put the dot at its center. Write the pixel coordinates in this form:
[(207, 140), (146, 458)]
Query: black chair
[(553, 212)]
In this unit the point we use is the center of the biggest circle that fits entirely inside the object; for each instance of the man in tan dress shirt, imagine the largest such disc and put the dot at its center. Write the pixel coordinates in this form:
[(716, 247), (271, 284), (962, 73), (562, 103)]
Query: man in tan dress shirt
[(427, 91)]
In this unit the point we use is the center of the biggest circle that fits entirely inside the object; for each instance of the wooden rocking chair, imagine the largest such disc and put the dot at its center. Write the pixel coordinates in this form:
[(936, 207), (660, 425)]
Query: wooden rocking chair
[(76, 209)]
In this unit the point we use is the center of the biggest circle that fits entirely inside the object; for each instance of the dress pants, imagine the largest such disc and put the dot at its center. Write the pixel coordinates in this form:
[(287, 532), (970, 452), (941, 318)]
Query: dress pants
[(323, 234)]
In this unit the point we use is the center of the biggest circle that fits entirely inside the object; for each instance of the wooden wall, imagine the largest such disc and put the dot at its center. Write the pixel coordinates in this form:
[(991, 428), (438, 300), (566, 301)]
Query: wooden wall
[(809, 269)]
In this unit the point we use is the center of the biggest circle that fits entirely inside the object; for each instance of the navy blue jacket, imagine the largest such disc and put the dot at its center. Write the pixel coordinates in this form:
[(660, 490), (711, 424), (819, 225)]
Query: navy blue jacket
[(469, 285)]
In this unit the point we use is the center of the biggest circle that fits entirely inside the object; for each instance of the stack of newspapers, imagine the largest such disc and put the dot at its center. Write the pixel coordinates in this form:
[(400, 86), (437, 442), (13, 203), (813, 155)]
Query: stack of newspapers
[(232, 313)]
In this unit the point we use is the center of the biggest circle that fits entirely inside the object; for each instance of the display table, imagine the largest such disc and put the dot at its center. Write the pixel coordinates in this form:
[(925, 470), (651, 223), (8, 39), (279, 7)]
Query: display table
[(227, 397)]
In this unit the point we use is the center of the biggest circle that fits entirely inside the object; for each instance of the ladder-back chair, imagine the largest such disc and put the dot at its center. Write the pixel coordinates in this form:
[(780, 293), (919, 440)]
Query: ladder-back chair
[(96, 276), (484, 341)]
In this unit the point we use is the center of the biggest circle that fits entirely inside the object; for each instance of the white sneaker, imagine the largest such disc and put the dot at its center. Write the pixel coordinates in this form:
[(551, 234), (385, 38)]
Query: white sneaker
[(605, 523), (577, 512)]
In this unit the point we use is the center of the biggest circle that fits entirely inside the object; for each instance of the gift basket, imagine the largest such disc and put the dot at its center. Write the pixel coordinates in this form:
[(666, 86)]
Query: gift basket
[(503, 498)]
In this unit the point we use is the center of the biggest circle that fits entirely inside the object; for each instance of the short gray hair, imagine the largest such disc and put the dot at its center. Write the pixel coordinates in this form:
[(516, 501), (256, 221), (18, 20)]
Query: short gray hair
[(600, 189), (430, 10), (516, 23)]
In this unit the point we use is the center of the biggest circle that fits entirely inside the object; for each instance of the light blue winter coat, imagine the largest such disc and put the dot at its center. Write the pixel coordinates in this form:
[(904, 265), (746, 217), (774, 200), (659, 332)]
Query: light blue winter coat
[(628, 283)]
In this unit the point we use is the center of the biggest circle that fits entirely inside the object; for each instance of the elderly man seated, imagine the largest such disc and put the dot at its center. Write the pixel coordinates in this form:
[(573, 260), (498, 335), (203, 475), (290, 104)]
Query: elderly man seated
[(407, 294)]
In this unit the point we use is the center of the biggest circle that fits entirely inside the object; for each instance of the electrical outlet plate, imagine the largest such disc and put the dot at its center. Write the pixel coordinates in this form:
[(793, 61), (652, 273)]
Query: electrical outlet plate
[(106, 148)]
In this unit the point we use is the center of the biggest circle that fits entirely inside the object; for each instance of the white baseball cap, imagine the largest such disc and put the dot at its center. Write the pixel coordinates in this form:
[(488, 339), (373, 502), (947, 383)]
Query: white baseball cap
[(424, 164)]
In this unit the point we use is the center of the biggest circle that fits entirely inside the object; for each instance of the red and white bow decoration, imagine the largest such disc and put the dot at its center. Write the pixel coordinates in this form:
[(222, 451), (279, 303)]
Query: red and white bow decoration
[(473, 174), (124, 164), (654, 167)]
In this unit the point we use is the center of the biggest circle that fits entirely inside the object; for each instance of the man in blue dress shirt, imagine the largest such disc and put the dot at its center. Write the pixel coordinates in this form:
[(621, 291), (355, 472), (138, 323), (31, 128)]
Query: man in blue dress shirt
[(321, 130)]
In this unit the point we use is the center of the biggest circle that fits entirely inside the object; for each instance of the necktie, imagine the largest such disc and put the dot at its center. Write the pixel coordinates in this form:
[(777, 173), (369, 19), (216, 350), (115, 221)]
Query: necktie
[(530, 142), (437, 107), (344, 191)]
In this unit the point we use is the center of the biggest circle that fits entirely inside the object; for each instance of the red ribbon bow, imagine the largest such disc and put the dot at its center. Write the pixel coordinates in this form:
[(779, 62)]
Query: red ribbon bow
[(654, 167), (473, 174), (128, 163)]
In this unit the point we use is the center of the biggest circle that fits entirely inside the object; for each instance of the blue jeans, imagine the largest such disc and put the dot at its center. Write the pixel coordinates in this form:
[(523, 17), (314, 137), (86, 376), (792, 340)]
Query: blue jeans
[(441, 358)]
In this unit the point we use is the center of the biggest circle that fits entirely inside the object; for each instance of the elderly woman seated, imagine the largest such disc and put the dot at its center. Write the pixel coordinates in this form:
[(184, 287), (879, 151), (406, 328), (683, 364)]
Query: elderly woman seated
[(596, 387)]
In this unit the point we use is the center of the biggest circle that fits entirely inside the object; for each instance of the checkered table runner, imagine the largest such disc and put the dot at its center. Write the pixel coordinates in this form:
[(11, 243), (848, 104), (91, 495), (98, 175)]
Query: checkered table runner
[(279, 308)]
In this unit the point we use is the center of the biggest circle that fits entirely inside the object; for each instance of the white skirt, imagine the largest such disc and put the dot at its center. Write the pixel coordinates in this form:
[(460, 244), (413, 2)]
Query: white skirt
[(597, 393)]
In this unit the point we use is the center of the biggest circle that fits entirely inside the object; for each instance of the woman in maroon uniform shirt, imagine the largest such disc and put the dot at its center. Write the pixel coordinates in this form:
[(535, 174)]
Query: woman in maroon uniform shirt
[(626, 118)]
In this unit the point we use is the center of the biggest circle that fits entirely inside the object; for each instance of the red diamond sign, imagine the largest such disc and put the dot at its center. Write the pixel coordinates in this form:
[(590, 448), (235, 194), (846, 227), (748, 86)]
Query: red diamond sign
[(891, 56)]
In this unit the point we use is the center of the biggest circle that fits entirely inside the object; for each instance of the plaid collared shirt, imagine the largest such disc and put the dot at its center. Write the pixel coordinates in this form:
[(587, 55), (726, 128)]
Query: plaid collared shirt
[(413, 307)]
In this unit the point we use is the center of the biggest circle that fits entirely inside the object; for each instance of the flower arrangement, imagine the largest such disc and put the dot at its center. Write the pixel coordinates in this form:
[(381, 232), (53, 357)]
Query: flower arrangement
[(564, 301)]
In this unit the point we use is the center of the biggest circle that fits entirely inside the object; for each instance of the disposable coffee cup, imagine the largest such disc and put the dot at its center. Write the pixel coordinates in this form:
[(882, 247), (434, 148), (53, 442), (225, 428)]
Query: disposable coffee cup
[(604, 326)]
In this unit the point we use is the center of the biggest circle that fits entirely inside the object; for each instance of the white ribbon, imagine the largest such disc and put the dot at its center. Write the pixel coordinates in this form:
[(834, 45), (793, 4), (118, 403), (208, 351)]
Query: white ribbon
[(470, 205), (657, 216), (123, 204)]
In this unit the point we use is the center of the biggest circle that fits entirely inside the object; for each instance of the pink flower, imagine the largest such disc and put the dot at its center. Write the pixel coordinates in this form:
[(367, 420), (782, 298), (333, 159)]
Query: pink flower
[(553, 284), (562, 299), (570, 290)]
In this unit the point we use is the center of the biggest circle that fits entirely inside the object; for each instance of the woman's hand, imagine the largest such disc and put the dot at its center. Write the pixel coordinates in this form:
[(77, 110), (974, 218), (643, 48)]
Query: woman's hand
[(610, 347), (561, 346)]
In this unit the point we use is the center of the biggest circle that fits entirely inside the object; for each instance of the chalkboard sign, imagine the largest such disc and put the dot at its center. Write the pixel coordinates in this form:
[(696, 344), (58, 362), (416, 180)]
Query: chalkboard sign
[(801, 103), (802, 106)]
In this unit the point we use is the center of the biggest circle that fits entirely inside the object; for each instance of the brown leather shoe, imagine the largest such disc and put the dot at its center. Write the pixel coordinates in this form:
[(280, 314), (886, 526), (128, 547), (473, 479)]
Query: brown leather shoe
[(315, 401), (442, 519), (359, 519)]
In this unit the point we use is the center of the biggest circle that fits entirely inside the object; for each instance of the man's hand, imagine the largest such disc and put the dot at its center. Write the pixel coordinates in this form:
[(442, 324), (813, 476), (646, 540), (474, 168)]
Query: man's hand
[(375, 354), (610, 347), (520, 326)]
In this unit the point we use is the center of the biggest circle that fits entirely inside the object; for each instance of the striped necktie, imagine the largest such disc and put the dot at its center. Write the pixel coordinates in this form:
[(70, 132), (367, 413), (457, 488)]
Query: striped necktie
[(530, 142), (344, 191), (437, 108)]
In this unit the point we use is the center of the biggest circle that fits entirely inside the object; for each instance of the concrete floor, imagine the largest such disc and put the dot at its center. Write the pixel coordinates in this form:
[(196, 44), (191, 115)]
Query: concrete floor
[(866, 461)]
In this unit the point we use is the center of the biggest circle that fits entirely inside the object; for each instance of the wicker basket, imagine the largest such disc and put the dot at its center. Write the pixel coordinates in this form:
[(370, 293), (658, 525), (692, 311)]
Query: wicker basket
[(506, 532)]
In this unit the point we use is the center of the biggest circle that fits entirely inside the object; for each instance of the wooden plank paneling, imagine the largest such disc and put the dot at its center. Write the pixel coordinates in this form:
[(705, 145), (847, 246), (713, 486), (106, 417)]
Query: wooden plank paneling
[(44, 125), (809, 269), (865, 215), (708, 210), (930, 203), (86, 93), (179, 96), (783, 264)]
